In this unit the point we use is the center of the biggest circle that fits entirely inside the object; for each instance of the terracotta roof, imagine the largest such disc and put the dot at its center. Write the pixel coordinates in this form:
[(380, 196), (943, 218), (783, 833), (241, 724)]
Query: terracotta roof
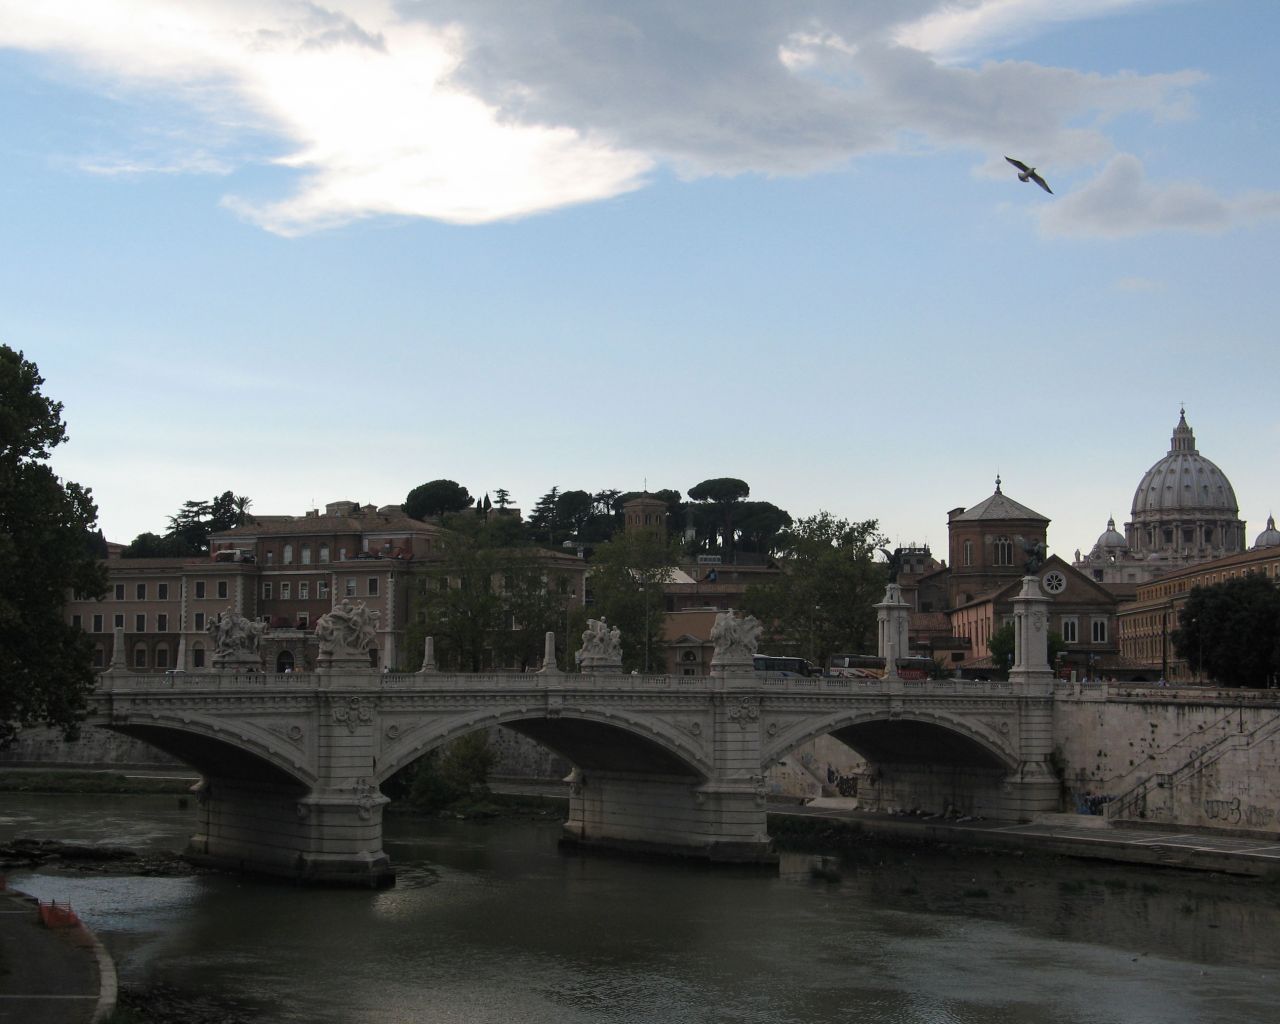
[(277, 526), (999, 506)]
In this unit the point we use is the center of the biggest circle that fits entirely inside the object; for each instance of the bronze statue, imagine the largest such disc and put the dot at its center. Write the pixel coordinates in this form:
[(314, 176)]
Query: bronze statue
[(895, 563), (1035, 556)]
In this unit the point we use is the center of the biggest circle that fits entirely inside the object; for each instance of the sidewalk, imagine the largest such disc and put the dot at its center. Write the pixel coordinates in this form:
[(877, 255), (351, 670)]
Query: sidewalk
[(1074, 835), (50, 975)]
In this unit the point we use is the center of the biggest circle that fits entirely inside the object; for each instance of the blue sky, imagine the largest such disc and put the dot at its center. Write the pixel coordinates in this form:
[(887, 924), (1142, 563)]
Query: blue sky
[(333, 250)]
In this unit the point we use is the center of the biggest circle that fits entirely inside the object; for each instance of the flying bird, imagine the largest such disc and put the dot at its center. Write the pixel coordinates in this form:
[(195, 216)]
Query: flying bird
[(1026, 173)]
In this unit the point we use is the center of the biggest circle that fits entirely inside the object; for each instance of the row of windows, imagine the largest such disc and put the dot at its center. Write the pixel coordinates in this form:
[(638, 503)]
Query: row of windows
[(322, 589), (139, 622), (1001, 552), (1069, 627), (162, 591)]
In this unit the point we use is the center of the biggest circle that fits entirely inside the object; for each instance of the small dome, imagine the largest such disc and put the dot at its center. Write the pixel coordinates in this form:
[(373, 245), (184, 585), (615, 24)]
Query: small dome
[(1270, 537), (1112, 540), (1184, 481)]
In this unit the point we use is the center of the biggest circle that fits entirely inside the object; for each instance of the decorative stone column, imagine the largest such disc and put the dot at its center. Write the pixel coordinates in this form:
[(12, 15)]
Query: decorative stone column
[(1034, 786), (549, 667), (893, 617), (428, 656)]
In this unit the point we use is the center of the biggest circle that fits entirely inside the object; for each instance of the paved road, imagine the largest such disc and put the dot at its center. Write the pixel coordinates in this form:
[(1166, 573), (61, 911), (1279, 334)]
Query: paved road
[(47, 976), (1092, 838)]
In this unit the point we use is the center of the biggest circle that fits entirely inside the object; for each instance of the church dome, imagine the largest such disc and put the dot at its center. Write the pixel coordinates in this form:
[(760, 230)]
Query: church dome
[(1270, 537), (1184, 483), (1112, 540)]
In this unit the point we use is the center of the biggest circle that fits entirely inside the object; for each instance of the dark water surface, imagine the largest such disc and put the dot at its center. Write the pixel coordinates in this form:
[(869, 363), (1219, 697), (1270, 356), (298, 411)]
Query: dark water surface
[(490, 922)]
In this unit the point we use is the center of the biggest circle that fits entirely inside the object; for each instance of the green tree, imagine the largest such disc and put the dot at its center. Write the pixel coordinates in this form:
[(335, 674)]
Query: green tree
[(447, 775), (544, 517), (502, 498), (626, 578), (437, 498), (46, 534), (823, 603), (1230, 631), (1001, 646), (189, 530), (724, 497)]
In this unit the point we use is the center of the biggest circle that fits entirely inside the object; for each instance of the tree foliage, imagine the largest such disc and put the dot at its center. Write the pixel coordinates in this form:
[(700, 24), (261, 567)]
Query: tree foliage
[(1230, 631), (722, 497), (823, 603), (446, 775), (625, 582), (437, 498), (46, 544), (485, 604), (190, 528)]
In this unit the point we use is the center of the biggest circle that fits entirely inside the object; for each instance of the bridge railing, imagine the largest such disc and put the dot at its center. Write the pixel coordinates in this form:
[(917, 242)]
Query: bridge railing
[(392, 681)]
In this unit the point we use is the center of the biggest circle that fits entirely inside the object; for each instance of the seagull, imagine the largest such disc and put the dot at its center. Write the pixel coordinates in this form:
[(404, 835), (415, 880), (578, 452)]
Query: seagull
[(1029, 174)]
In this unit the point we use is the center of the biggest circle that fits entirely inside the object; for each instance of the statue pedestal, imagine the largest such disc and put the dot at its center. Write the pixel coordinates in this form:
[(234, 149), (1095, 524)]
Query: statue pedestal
[(600, 663), (237, 659), (732, 665)]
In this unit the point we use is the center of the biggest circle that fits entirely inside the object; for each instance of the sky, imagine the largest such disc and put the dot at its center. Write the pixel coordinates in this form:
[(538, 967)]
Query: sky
[(312, 251)]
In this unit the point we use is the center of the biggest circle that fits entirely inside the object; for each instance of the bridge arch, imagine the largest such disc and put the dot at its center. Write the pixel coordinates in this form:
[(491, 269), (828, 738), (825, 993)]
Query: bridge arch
[(218, 749), (590, 740), (905, 737)]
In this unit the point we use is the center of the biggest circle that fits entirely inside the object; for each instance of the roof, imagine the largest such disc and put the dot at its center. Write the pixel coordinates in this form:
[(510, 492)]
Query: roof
[(294, 526), (999, 506), (1184, 481)]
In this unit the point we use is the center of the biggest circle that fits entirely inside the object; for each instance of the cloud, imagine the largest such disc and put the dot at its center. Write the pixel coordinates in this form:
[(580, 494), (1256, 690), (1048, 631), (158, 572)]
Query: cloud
[(1120, 202), (960, 30), (476, 111)]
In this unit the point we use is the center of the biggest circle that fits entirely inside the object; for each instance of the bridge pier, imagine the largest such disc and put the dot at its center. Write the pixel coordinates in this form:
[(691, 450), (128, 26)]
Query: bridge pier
[(325, 836)]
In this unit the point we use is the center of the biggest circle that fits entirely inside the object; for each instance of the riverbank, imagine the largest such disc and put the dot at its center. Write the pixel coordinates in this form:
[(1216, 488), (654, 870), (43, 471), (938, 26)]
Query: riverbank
[(90, 782), (1069, 835)]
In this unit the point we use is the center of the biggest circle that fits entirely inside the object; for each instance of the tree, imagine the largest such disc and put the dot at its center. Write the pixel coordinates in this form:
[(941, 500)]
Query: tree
[(1001, 645), (502, 498), (1230, 631), (437, 498), (626, 578), (543, 517), (152, 545), (189, 530), (759, 524), (46, 532), (724, 494), (823, 603), (446, 775)]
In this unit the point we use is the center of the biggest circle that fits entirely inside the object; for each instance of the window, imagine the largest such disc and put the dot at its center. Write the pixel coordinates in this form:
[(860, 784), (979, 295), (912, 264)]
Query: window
[(373, 586), (98, 655), (1099, 631), (1002, 553), (141, 591), (968, 552), (322, 588), (75, 621), (286, 591), (222, 588), (119, 591), (97, 623), (162, 657), (119, 622), (140, 657), (303, 620), (1188, 536), (197, 656), (200, 590), (324, 552), (1071, 630), (162, 591), (304, 591), (306, 554), (162, 623), (342, 554), (1168, 536), (200, 621), (351, 587), (288, 555), (1208, 534), (266, 591), (271, 557), (139, 623)]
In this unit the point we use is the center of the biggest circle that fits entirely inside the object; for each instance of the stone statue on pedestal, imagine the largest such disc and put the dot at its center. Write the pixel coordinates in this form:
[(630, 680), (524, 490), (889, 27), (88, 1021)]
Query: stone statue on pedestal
[(736, 640), (601, 648), (347, 633), (235, 640)]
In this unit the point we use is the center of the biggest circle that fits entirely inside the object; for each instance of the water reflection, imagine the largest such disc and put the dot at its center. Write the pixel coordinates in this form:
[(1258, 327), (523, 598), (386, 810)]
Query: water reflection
[(491, 922)]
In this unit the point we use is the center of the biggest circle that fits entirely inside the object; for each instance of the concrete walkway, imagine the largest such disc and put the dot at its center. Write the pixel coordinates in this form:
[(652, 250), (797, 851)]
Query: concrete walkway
[(1076, 836), (50, 975)]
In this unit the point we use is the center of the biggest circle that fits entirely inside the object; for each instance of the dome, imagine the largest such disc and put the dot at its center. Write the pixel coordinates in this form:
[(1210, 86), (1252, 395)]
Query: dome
[(1185, 482), (1270, 537), (1112, 540)]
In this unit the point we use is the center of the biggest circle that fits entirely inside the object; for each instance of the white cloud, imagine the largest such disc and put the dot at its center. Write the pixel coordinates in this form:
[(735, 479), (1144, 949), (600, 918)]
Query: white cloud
[(481, 110), (962, 29), (1121, 202)]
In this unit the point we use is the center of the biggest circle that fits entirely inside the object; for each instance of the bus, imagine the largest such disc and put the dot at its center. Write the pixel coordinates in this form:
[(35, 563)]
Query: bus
[(868, 666), (767, 665)]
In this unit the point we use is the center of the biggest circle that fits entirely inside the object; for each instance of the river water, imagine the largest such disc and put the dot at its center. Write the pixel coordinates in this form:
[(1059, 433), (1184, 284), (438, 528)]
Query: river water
[(491, 922)]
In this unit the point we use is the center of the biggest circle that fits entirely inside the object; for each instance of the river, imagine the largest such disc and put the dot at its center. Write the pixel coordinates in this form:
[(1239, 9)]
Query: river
[(491, 922)]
